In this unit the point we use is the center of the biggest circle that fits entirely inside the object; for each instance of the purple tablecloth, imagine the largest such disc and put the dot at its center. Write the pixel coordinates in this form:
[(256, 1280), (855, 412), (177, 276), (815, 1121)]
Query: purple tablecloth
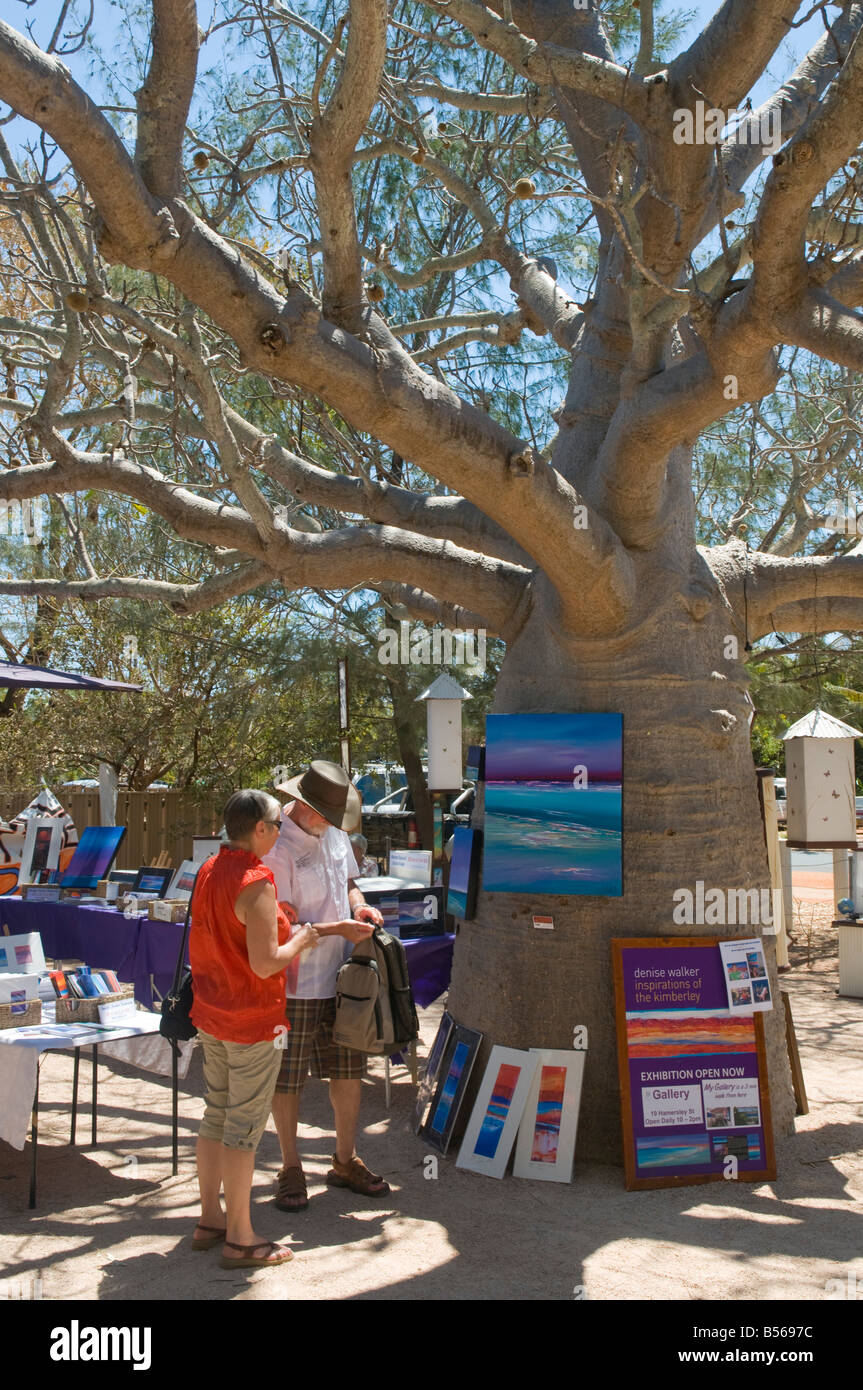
[(139, 950), (429, 966)]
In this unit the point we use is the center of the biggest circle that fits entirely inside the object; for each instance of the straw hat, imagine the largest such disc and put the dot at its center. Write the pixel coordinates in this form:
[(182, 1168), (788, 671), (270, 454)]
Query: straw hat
[(326, 787)]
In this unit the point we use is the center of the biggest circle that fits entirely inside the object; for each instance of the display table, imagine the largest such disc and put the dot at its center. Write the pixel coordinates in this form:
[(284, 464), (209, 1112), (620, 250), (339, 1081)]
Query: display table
[(138, 1042), (140, 952), (144, 953)]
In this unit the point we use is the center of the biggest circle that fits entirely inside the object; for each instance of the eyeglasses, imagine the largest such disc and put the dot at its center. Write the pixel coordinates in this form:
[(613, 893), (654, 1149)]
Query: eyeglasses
[(276, 823)]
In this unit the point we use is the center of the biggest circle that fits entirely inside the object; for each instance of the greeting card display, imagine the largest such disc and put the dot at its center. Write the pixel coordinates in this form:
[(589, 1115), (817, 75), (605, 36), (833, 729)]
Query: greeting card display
[(554, 804)]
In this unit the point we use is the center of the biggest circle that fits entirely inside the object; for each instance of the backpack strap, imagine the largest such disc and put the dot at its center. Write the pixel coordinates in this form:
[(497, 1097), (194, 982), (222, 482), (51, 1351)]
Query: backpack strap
[(181, 958)]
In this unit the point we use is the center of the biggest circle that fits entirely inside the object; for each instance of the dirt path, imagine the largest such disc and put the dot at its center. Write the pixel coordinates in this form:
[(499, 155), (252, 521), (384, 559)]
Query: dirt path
[(111, 1225)]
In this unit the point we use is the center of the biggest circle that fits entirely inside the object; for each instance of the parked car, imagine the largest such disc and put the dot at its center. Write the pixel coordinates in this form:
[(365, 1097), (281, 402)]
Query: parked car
[(377, 782), (780, 786)]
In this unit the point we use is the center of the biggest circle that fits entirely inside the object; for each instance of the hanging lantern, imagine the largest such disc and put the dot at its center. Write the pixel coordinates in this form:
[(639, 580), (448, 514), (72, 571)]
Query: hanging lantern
[(819, 774), (444, 697)]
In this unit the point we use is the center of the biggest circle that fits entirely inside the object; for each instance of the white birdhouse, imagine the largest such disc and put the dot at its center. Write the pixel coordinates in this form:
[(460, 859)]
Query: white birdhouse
[(819, 773), (445, 697)]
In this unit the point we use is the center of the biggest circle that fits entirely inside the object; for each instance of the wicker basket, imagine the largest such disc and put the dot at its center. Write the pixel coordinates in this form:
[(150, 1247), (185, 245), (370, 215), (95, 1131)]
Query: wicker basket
[(87, 1010), (22, 1019)]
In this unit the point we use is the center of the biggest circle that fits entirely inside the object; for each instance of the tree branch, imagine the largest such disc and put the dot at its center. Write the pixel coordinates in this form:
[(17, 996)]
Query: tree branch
[(180, 598), (828, 137), (164, 99), (547, 64), (731, 52), (332, 141)]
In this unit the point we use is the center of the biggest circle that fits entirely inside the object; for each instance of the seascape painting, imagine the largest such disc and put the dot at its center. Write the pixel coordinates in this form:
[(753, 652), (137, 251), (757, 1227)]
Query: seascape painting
[(497, 1110), (461, 890), (450, 1087), (546, 1133), (553, 804), (680, 1033), (673, 1150)]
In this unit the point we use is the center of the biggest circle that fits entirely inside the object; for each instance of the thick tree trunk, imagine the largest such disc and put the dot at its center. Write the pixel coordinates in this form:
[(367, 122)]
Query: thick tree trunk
[(690, 811)]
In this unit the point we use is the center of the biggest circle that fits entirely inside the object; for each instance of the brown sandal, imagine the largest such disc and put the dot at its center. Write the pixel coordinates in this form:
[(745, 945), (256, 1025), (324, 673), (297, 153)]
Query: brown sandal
[(357, 1177), (292, 1194), (217, 1234), (248, 1260)]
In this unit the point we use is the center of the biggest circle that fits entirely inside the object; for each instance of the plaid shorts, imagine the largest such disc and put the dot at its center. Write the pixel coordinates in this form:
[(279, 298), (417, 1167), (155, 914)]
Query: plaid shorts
[(309, 1043)]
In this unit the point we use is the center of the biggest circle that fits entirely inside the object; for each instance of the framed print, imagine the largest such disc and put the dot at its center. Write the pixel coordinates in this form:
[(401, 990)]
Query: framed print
[(463, 873), (183, 882), (453, 1078), (150, 880), (497, 1112), (43, 841), (94, 855), (554, 804), (695, 1103), (205, 846), (22, 955), (427, 1085), (546, 1136)]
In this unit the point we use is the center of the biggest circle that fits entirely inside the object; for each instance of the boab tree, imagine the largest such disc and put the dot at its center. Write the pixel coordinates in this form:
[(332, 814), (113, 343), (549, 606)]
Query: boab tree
[(415, 275)]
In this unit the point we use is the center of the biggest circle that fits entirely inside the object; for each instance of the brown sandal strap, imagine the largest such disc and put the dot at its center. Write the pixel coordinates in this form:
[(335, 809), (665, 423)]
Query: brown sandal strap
[(247, 1251)]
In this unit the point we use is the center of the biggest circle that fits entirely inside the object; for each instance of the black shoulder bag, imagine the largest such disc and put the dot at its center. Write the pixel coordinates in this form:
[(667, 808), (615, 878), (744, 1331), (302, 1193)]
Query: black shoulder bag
[(175, 1023)]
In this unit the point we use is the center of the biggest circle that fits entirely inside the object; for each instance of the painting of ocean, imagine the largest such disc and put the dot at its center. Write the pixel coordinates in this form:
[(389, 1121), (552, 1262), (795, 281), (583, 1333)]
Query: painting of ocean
[(677, 1150), (497, 1110), (554, 804)]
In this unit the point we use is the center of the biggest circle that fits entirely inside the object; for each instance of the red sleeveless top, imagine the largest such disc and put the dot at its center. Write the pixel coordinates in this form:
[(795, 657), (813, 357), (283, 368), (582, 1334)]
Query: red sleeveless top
[(230, 1001)]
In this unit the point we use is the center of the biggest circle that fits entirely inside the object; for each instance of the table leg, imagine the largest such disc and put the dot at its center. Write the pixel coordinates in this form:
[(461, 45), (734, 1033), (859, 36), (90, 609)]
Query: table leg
[(75, 1093), (175, 1061), (387, 1082), (34, 1142), (95, 1093), (413, 1063)]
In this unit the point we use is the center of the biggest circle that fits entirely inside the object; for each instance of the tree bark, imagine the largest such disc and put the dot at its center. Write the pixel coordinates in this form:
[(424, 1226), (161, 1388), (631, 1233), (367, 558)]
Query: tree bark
[(690, 812)]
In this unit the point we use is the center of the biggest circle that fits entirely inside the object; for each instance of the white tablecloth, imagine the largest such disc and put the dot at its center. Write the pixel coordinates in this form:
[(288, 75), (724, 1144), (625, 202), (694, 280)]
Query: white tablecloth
[(20, 1048)]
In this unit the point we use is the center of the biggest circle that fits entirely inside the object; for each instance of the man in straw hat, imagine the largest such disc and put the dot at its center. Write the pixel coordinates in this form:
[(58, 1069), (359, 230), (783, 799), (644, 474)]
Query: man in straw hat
[(314, 866)]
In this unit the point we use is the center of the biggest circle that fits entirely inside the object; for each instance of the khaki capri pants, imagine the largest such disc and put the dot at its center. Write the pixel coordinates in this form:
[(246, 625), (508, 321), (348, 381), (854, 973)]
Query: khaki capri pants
[(240, 1080)]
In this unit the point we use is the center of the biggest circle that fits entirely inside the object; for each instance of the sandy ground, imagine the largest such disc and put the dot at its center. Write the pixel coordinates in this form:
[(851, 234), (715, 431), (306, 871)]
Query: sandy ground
[(112, 1223)]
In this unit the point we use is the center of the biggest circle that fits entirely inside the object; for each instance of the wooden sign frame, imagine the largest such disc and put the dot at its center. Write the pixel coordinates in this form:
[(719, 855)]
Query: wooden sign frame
[(634, 1183)]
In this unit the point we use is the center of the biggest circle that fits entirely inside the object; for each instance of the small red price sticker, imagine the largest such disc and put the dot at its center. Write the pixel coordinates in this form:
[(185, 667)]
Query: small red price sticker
[(544, 923)]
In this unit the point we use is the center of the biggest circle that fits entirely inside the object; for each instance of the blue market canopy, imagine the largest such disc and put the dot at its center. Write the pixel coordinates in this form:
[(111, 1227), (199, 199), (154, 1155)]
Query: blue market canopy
[(44, 678)]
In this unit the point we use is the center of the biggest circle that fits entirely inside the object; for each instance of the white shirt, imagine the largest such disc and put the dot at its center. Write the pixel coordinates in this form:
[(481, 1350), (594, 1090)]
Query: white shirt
[(312, 874)]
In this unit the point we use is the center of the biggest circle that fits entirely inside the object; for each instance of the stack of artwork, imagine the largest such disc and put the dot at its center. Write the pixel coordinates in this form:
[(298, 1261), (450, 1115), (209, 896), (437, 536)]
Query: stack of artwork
[(533, 1095)]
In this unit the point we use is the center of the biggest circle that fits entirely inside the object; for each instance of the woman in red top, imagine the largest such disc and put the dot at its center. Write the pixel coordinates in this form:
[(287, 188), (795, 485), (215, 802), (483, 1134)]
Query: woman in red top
[(239, 945)]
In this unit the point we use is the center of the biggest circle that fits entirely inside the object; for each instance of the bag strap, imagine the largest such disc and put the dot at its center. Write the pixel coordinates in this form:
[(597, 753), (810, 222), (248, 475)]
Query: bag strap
[(181, 958)]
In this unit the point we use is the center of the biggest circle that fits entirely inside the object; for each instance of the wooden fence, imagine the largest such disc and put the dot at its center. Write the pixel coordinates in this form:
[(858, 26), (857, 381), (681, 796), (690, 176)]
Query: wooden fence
[(154, 821)]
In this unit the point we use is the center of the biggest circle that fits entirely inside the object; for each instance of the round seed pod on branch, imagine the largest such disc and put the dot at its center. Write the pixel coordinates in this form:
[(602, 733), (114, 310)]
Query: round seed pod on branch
[(200, 159), (375, 292), (524, 188), (79, 300)]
